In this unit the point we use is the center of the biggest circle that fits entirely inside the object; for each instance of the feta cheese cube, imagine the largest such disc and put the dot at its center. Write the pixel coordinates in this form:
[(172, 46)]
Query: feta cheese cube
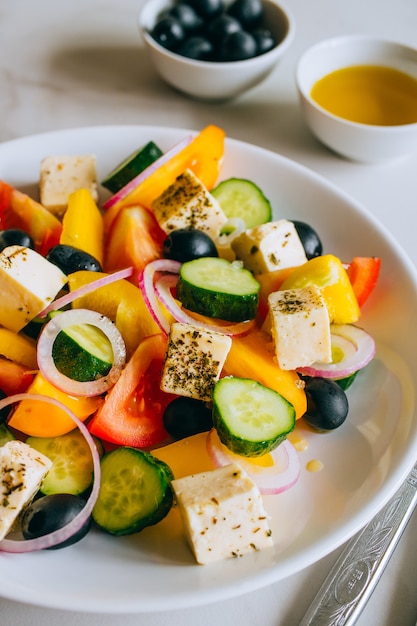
[(269, 247), (28, 283), (22, 470), (61, 175), (194, 360), (300, 327), (188, 204), (222, 513)]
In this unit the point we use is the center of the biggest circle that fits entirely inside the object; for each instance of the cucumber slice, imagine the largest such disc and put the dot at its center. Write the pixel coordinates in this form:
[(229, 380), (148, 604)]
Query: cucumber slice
[(135, 491), (133, 165), (82, 352), (72, 464), (218, 288), (242, 198), (5, 434), (250, 419)]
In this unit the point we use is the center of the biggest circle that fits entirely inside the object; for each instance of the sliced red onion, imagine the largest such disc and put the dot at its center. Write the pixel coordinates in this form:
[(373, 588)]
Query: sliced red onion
[(163, 288), (356, 345), (64, 383), (62, 534), (135, 182), (270, 479), (147, 287), (59, 303)]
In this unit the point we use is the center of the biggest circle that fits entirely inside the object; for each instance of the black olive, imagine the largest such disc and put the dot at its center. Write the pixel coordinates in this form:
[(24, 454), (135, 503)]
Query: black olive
[(207, 8), (187, 244), (50, 513), (70, 259), (184, 417), (186, 15), (221, 26), (237, 46), (309, 238), (248, 12), (15, 237), (265, 40), (327, 403), (196, 47), (168, 32)]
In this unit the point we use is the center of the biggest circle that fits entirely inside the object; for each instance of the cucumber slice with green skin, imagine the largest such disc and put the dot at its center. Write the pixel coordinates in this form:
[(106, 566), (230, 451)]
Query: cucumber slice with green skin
[(133, 165), (242, 198), (217, 288), (82, 352), (72, 464), (250, 419), (135, 491), (5, 434)]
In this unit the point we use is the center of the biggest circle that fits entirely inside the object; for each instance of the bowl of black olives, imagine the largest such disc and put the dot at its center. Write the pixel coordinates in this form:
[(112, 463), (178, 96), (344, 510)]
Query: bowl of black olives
[(215, 50)]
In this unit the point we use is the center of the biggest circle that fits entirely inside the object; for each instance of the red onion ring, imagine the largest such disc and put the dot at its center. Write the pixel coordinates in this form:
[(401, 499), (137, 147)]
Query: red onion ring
[(357, 346), (135, 182), (147, 287), (85, 289), (64, 383), (270, 480), (62, 534)]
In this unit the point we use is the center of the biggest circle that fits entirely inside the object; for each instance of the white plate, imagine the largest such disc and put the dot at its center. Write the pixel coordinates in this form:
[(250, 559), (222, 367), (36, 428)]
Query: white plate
[(364, 461)]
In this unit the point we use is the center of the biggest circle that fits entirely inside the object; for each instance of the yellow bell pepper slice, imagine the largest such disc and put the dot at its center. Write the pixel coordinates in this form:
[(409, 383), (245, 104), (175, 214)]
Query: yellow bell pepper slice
[(328, 273), (41, 419), (252, 356), (82, 224), (203, 156), (18, 348)]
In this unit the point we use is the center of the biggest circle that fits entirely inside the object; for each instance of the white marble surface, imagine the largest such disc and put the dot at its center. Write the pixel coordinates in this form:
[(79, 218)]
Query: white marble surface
[(80, 64)]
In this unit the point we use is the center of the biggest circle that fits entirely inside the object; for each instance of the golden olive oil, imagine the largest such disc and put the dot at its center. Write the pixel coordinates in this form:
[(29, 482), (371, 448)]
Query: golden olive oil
[(369, 94)]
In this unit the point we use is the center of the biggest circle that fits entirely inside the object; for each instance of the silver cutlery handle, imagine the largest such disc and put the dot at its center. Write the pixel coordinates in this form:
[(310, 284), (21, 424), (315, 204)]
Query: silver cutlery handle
[(355, 574)]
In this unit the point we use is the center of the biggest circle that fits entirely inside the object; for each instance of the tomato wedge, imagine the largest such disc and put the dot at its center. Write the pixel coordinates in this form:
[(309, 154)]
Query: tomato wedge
[(363, 274), (132, 413), (134, 239), (18, 210), (14, 377)]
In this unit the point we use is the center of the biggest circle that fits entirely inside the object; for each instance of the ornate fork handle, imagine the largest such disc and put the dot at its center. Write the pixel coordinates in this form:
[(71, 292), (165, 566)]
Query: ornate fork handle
[(355, 574)]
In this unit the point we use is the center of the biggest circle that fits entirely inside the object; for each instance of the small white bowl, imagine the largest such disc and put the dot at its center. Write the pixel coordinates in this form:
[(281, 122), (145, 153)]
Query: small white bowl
[(359, 142), (216, 81)]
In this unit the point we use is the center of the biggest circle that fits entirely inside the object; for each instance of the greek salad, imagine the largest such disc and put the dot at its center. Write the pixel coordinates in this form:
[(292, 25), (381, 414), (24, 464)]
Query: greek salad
[(158, 349)]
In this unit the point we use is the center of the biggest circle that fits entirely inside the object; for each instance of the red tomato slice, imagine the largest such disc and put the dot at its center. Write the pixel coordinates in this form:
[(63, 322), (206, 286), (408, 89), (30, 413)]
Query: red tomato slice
[(132, 413), (18, 210), (363, 273), (14, 378), (134, 239)]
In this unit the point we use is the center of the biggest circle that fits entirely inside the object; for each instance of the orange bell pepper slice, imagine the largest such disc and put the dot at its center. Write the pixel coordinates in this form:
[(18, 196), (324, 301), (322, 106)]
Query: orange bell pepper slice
[(252, 356), (82, 224), (203, 156), (41, 419)]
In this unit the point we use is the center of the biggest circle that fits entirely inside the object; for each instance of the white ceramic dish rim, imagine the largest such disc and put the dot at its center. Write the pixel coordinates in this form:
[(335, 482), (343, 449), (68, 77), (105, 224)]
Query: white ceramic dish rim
[(264, 569), (304, 86), (145, 22)]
